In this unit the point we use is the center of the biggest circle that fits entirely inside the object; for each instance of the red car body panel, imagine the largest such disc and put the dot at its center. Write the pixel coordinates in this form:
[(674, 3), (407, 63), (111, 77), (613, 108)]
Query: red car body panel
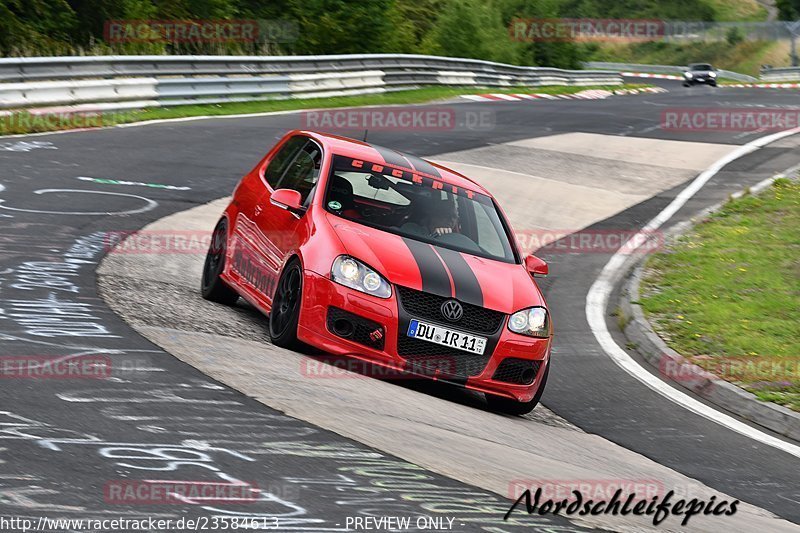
[(263, 237)]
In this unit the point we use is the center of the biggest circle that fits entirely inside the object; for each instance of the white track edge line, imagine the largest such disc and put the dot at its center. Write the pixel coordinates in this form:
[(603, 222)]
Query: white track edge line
[(600, 292)]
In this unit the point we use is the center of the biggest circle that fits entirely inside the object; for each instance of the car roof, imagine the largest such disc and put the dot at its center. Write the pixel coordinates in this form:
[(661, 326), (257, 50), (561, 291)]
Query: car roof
[(378, 154)]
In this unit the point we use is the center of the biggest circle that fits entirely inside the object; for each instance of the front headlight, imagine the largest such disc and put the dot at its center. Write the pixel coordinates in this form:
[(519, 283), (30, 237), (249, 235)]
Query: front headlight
[(688, 75), (712, 74), (353, 273), (533, 322)]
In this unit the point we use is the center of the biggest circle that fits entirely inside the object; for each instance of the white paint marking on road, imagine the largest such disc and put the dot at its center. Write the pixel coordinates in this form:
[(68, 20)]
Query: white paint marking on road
[(149, 204), (2, 215), (599, 293), (110, 181)]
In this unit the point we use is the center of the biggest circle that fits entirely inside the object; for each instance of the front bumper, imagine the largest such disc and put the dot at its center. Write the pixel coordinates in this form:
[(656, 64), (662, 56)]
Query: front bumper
[(701, 80), (320, 294)]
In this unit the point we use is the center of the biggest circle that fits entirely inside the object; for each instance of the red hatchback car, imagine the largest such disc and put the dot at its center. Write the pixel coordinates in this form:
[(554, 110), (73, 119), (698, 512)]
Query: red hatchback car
[(366, 252)]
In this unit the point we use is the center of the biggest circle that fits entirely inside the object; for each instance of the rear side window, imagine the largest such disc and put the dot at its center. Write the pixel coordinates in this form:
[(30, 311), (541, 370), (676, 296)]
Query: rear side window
[(302, 172), (277, 167)]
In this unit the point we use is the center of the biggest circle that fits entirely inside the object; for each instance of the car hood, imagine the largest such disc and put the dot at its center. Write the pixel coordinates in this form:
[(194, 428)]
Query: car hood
[(504, 287)]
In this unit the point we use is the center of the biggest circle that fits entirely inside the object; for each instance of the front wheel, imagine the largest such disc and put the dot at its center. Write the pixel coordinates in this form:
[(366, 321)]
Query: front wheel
[(285, 312), (513, 407), (213, 287)]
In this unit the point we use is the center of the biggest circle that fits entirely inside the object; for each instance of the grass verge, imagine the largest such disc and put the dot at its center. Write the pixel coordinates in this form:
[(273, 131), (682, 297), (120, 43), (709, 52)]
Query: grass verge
[(727, 295), (23, 122), (745, 57)]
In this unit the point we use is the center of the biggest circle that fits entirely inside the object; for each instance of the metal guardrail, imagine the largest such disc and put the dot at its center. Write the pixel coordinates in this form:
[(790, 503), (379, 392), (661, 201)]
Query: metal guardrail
[(781, 74), (660, 69), (131, 81)]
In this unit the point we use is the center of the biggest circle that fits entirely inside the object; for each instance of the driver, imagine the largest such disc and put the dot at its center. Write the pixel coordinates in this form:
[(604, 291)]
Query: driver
[(430, 216), (442, 218)]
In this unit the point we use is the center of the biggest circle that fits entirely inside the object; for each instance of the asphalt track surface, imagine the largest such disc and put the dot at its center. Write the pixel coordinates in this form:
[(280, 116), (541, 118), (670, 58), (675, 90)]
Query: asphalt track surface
[(63, 441)]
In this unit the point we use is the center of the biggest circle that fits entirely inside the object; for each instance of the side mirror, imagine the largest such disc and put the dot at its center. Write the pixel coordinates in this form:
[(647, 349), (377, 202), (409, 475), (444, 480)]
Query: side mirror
[(537, 267), (288, 199)]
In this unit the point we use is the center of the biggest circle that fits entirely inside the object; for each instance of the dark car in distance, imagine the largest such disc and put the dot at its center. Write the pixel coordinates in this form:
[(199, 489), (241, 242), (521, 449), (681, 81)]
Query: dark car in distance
[(700, 73)]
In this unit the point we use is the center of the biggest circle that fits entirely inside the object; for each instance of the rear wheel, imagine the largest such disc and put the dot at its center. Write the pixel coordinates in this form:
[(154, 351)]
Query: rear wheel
[(213, 287), (513, 407), (285, 312)]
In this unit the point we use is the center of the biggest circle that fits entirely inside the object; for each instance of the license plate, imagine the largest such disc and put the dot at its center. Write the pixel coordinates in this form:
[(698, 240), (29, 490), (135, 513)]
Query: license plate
[(447, 337)]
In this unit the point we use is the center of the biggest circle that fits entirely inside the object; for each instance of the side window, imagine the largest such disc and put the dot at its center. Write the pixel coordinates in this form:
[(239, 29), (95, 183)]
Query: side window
[(488, 237), (303, 171), (277, 167)]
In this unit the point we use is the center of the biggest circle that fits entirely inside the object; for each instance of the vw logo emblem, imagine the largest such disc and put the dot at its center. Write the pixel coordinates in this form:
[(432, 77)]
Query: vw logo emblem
[(452, 310)]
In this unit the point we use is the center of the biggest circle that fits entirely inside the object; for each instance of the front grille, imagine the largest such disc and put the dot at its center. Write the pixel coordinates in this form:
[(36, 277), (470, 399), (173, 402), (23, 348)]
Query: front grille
[(426, 305), (519, 371), (362, 328), (426, 358)]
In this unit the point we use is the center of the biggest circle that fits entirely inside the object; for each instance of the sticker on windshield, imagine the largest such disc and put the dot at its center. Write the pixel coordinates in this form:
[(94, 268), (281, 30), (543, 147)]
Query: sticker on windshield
[(334, 205)]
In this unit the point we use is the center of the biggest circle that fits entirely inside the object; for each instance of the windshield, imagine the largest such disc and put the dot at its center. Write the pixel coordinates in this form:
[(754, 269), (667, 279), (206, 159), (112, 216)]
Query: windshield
[(417, 206), (700, 66)]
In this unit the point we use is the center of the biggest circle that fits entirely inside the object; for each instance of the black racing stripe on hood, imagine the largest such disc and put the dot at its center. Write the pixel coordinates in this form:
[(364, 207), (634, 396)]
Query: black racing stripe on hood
[(434, 276), (391, 157), (422, 165), (466, 284)]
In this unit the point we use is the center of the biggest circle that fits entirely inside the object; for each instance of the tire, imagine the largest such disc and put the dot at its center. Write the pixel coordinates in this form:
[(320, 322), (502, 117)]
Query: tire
[(687, 84), (212, 287), (285, 312), (512, 407)]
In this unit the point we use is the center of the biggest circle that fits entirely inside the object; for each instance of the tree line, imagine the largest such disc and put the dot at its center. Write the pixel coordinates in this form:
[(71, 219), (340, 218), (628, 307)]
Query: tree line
[(459, 28)]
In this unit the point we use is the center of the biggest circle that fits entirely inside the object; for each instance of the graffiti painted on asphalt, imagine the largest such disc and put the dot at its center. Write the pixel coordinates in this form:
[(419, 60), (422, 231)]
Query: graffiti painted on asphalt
[(52, 317), (51, 314)]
